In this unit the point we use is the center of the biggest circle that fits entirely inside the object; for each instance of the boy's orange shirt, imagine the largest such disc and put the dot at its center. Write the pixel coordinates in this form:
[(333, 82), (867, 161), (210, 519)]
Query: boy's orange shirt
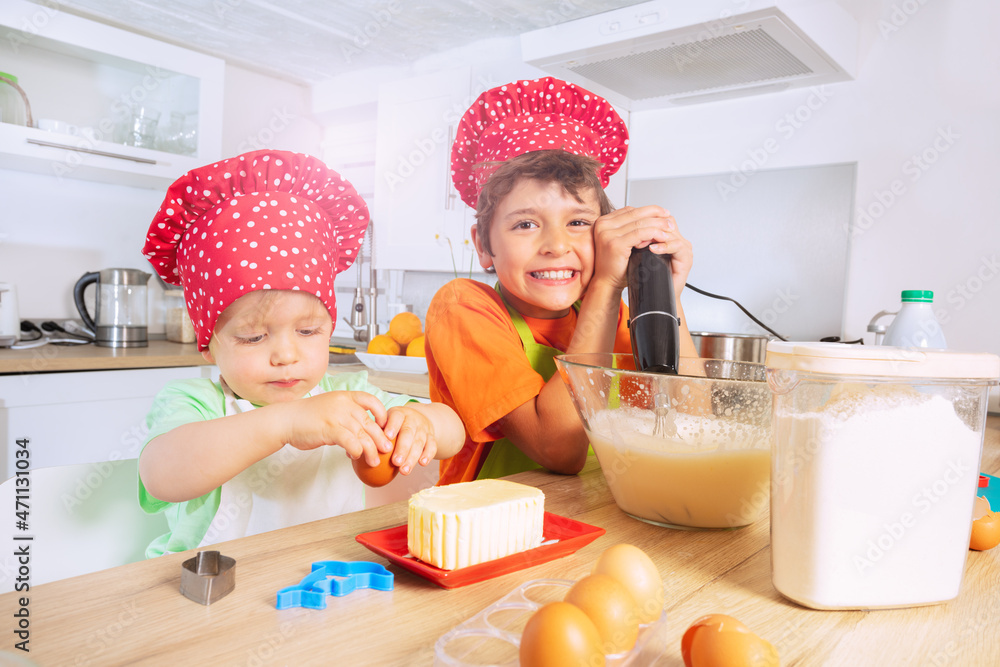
[(477, 366)]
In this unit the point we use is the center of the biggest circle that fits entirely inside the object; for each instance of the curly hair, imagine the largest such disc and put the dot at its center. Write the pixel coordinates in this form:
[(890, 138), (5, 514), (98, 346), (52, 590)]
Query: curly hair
[(575, 173)]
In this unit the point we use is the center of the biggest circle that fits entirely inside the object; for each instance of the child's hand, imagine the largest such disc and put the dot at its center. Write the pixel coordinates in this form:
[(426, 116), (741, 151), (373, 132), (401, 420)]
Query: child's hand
[(616, 233), (414, 436), (340, 418)]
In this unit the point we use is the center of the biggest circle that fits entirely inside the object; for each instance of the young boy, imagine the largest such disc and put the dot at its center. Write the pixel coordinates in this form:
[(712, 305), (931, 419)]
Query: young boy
[(256, 241), (533, 158)]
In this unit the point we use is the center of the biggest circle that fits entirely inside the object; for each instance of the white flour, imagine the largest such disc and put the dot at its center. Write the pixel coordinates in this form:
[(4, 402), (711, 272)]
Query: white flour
[(872, 499)]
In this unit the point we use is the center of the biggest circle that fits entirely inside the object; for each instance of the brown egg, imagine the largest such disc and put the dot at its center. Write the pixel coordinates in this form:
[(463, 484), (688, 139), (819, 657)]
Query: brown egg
[(985, 526), (636, 571), (612, 609), (718, 640), (731, 649), (379, 475), (560, 634)]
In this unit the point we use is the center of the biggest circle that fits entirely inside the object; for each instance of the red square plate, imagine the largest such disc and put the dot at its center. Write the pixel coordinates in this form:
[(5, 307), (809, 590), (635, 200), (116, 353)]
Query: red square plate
[(560, 537)]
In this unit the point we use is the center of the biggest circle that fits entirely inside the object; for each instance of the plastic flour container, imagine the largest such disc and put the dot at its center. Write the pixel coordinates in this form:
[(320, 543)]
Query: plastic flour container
[(874, 469)]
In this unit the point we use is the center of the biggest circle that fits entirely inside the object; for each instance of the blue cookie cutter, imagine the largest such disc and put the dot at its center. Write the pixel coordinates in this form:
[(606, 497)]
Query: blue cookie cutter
[(334, 577)]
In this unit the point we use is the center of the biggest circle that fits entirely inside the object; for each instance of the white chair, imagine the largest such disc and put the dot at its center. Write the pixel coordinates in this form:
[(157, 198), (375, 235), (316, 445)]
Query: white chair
[(82, 518)]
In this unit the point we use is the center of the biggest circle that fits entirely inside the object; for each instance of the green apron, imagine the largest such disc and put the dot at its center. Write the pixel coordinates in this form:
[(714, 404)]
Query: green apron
[(505, 458)]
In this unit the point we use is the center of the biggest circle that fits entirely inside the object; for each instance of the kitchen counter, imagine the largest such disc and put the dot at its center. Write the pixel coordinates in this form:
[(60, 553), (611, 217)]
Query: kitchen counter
[(165, 354), (48, 358), (134, 614)]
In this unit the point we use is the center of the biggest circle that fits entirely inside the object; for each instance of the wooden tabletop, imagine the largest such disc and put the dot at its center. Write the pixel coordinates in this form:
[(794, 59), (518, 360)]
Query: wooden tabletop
[(135, 615)]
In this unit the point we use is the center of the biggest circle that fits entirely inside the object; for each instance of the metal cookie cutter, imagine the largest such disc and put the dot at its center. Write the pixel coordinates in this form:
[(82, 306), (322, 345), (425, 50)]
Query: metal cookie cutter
[(337, 578), (208, 577)]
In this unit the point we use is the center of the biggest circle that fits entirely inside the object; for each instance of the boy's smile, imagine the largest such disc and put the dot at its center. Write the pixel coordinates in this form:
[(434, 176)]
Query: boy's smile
[(543, 247), (272, 346)]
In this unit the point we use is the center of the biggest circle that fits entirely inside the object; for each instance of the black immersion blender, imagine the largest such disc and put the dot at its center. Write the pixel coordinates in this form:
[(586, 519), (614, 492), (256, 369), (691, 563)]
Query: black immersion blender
[(653, 324)]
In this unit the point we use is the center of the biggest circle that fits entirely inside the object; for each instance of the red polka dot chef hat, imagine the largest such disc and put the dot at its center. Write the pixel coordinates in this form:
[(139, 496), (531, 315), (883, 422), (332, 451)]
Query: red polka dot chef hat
[(262, 220), (526, 116)]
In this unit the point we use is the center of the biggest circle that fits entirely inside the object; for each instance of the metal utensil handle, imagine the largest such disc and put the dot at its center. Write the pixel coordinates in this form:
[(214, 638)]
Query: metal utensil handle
[(92, 151)]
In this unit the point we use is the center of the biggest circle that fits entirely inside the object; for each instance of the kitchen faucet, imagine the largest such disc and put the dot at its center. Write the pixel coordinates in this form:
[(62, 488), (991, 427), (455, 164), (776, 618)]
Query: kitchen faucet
[(363, 323)]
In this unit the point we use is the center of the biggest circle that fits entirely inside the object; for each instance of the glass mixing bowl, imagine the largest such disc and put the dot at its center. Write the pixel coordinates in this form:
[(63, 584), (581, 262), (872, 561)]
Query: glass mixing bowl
[(691, 450)]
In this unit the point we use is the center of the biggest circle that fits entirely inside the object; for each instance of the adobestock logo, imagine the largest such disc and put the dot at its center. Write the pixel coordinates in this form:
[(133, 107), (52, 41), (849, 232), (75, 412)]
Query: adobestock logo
[(752, 507), (914, 168), (441, 136), (365, 34), (32, 26), (279, 121), (107, 127), (786, 127), (782, 304), (924, 501), (966, 291), (899, 15), (423, 149)]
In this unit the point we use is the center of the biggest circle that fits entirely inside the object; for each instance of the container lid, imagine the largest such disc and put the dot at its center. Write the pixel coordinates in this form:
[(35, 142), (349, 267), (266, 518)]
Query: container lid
[(917, 295), (882, 361)]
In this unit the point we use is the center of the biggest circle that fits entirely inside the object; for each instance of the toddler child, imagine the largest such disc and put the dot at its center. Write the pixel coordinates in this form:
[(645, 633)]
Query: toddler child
[(533, 158), (256, 242)]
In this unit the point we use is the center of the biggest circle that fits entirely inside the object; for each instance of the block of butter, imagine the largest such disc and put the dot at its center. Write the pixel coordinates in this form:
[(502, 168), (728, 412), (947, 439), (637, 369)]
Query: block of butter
[(464, 524)]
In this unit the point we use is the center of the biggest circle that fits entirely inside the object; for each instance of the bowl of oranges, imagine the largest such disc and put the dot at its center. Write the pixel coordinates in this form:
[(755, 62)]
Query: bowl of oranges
[(400, 350)]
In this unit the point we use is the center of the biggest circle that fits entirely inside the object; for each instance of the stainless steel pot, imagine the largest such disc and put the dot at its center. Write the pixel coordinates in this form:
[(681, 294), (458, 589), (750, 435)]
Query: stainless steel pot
[(736, 347)]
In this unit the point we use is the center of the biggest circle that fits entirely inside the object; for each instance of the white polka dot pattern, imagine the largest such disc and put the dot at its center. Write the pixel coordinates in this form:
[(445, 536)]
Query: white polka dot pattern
[(526, 116), (263, 220)]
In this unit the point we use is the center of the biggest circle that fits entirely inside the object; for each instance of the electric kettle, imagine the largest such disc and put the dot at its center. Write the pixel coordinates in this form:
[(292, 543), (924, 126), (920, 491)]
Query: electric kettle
[(10, 323), (120, 306)]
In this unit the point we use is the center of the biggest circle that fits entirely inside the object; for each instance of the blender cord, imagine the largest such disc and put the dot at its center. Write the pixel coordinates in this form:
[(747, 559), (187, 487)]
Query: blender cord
[(740, 306), (828, 339)]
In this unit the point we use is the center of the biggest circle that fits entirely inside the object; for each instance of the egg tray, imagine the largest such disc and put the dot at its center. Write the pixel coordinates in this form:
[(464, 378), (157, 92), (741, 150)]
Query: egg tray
[(493, 636)]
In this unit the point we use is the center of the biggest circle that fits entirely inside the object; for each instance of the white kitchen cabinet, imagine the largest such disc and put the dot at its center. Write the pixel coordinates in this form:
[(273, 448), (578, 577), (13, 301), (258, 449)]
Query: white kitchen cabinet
[(420, 221), (89, 76), (82, 416)]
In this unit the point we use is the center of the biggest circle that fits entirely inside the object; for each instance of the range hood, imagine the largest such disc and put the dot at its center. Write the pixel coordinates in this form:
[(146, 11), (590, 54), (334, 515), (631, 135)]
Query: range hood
[(674, 52)]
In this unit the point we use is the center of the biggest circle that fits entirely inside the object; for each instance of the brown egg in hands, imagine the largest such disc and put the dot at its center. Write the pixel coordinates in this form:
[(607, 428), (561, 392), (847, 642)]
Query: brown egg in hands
[(379, 475)]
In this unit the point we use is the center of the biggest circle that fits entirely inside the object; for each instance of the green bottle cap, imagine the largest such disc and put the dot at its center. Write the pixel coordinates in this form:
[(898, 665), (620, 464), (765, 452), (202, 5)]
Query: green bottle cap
[(917, 295), (9, 76)]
